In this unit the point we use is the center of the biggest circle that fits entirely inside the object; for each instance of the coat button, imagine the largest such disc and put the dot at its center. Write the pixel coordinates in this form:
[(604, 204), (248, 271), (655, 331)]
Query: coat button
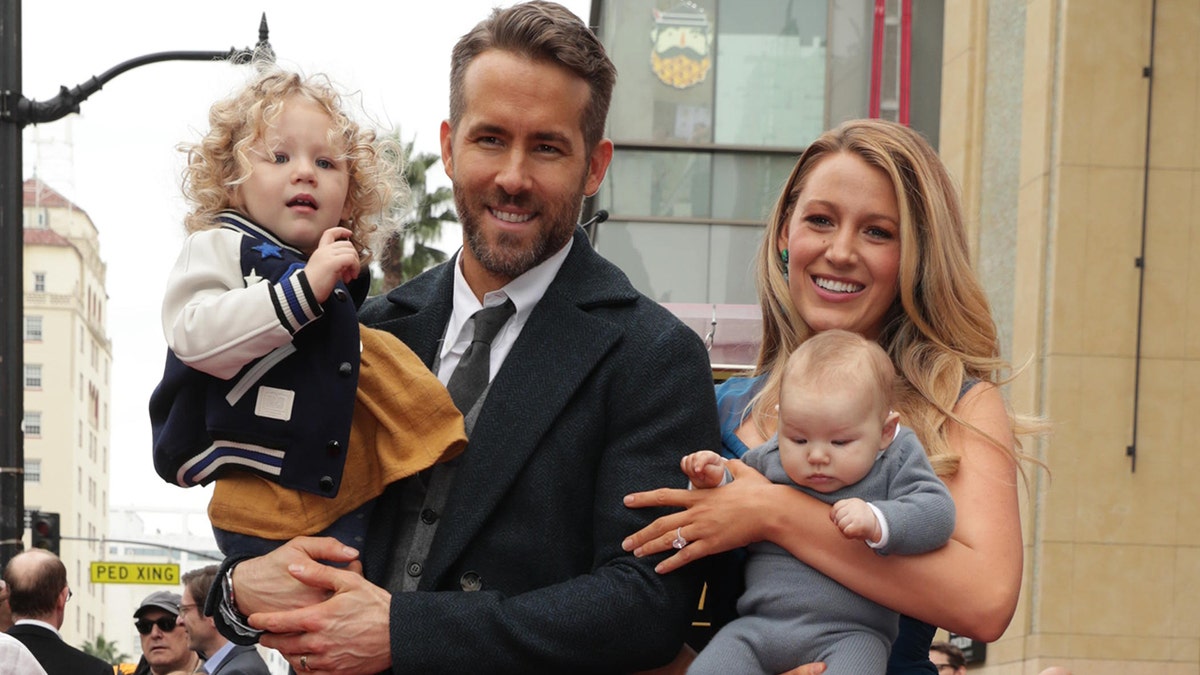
[(345, 370), (326, 484), (429, 516), (470, 581), (414, 569), (340, 294), (333, 448)]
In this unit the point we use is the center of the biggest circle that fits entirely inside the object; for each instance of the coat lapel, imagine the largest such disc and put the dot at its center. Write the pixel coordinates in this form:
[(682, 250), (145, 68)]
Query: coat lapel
[(561, 337)]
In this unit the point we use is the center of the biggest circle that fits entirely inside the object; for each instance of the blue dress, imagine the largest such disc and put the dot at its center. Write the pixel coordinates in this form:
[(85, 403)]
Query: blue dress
[(910, 651)]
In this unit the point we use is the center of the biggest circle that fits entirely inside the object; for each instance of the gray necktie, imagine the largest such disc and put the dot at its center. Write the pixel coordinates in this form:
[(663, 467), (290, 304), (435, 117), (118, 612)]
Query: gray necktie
[(470, 377)]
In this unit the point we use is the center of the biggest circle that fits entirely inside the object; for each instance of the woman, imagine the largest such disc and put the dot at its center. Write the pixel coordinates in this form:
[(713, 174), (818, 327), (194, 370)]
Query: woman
[(868, 236)]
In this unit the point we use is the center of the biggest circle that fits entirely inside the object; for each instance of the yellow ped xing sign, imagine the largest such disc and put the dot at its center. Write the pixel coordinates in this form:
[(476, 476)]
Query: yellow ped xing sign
[(135, 573)]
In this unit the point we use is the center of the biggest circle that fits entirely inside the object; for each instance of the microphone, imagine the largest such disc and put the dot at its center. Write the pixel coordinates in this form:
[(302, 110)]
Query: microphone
[(600, 217)]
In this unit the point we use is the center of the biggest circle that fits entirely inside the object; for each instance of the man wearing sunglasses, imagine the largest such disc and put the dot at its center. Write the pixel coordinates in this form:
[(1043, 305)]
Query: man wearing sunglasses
[(164, 642), (38, 595)]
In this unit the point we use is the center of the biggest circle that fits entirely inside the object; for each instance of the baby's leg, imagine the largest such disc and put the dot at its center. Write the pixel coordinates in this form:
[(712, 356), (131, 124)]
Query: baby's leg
[(732, 650), (857, 653)]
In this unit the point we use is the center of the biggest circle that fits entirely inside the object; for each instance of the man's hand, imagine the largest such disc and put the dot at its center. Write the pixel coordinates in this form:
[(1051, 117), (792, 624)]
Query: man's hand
[(265, 585), (346, 634), (705, 469), (856, 520), (335, 259)]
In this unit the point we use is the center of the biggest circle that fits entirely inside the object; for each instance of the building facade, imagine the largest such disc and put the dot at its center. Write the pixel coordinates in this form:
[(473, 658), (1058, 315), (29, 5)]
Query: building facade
[(67, 384), (1073, 130)]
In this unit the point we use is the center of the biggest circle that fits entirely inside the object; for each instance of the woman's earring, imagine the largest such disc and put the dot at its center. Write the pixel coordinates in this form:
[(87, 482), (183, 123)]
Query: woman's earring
[(784, 257)]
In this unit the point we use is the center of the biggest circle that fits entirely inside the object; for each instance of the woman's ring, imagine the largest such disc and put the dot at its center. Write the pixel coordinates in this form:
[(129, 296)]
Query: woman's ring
[(304, 662), (679, 541)]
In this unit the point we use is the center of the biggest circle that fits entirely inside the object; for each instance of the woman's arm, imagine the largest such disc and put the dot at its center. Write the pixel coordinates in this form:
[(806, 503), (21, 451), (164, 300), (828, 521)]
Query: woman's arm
[(969, 587)]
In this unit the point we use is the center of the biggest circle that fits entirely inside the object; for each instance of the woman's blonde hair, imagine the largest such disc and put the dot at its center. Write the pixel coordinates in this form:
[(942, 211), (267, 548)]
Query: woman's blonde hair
[(220, 161), (939, 331)]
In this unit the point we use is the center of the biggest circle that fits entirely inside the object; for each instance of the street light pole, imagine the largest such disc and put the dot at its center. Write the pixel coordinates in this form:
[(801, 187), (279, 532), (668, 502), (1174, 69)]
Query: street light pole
[(16, 111)]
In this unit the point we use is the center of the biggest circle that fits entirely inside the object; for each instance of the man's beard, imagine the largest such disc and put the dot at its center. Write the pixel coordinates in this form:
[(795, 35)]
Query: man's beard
[(510, 256)]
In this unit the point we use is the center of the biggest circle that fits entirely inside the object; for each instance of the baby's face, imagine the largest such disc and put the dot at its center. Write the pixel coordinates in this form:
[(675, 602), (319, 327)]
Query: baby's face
[(829, 437), (299, 179)]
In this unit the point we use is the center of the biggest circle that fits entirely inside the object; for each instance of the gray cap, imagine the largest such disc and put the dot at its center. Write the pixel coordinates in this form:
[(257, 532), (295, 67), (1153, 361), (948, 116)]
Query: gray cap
[(164, 600)]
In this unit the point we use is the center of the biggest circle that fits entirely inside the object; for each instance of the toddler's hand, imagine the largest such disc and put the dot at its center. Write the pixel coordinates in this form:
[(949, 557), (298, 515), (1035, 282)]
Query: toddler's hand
[(705, 469), (856, 520), (335, 259)]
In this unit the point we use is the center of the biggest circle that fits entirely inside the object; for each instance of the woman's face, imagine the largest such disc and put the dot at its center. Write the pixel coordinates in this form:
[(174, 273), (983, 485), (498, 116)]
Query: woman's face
[(843, 242)]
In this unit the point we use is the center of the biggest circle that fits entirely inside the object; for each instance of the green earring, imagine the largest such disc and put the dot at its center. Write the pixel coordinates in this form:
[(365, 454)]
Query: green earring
[(783, 255)]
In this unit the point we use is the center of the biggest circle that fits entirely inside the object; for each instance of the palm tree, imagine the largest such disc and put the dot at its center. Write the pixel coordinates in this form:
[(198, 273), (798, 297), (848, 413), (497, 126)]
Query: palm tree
[(105, 650), (408, 250)]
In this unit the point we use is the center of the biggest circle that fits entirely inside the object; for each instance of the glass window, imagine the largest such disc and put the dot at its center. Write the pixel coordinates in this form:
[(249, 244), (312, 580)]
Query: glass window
[(685, 262), (660, 184), (39, 282), (33, 423), (33, 376), (33, 328), (33, 471)]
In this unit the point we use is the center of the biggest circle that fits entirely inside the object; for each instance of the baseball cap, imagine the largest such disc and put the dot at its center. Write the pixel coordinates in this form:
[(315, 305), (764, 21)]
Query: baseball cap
[(165, 600)]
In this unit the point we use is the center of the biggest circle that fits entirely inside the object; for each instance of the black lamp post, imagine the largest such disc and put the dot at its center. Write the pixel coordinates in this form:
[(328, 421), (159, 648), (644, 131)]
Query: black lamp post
[(16, 111)]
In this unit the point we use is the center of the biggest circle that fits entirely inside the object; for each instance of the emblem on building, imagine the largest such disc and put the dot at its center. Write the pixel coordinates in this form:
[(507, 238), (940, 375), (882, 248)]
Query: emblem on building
[(682, 40)]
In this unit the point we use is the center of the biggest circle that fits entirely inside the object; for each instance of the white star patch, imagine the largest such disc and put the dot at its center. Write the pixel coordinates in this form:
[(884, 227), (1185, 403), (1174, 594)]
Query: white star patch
[(252, 278)]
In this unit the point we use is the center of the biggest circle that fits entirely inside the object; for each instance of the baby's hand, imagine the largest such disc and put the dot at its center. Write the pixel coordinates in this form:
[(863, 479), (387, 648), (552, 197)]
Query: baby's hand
[(705, 469), (856, 520), (335, 259)]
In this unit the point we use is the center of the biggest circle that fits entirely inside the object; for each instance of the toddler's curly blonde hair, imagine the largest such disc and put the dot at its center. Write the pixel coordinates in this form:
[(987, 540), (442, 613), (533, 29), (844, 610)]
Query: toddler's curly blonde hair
[(220, 161)]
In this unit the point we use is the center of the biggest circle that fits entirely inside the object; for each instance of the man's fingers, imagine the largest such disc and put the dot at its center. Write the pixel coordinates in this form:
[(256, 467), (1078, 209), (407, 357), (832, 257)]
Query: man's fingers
[(325, 548)]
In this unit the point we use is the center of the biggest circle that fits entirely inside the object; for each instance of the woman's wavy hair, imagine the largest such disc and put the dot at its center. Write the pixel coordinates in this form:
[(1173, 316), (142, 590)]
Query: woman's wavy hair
[(221, 160), (939, 330)]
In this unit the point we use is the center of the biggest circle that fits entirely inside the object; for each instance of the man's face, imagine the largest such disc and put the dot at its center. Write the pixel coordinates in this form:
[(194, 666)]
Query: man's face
[(6, 620), (519, 164), (199, 628), (165, 645)]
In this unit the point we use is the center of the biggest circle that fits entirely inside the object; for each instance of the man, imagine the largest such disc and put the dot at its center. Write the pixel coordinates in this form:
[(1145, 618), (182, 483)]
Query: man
[(592, 392), (38, 595), (164, 646), (220, 655), (6, 620), (947, 658)]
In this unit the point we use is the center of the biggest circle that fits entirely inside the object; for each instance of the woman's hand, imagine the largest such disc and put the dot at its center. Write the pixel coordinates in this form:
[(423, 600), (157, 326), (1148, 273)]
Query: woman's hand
[(714, 521), (810, 669)]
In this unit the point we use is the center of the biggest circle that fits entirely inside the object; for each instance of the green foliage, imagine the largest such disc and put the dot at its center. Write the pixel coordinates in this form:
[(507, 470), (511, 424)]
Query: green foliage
[(409, 250), (105, 650)]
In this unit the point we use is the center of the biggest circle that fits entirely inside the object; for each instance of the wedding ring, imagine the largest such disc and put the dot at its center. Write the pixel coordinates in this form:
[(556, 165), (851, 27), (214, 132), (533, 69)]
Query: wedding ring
[(679, 541), (304, 662)]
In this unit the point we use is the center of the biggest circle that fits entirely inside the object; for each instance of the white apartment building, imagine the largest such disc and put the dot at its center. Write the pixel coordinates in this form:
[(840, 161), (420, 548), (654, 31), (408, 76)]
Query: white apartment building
[(67, 378)]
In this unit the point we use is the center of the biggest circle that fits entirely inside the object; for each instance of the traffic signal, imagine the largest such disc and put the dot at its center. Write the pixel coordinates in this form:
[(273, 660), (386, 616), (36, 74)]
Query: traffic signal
[(44, 528)]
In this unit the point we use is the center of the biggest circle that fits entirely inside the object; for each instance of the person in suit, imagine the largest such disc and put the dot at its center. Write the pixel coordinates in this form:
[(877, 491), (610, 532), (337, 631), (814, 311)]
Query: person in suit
[(220, 655), (38, 595), (508, 559), (164, 646)]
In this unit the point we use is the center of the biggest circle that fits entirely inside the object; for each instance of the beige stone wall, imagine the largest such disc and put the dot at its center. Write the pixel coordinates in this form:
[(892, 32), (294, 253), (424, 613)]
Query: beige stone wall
[(1112, 555)]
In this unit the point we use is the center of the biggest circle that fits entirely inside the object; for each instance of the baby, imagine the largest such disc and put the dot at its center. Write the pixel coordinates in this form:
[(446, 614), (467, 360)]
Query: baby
[(838, 441)]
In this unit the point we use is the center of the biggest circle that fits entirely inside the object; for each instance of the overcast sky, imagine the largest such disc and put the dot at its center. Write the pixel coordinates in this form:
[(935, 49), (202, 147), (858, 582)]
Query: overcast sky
[(117, 161)]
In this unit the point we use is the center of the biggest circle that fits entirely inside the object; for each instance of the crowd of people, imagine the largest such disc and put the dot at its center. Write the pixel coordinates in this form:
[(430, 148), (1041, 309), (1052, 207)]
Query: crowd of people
[(564, 536), (176, 638)]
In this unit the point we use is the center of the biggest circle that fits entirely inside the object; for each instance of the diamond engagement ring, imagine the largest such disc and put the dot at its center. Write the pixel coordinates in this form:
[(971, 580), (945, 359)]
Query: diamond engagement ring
[(304, 662), (679, 541)]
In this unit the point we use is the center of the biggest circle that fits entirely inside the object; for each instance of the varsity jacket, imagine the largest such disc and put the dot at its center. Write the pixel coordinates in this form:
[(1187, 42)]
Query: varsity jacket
[(258, 375)]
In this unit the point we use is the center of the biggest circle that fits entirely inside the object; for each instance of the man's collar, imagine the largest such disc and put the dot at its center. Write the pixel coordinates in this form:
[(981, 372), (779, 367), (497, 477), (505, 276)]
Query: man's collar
[(36, 622)]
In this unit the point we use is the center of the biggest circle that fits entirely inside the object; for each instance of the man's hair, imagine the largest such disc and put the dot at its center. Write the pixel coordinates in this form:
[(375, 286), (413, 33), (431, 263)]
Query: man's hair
[(34, 585), (198, 582), (541, 31), (954, 655)]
